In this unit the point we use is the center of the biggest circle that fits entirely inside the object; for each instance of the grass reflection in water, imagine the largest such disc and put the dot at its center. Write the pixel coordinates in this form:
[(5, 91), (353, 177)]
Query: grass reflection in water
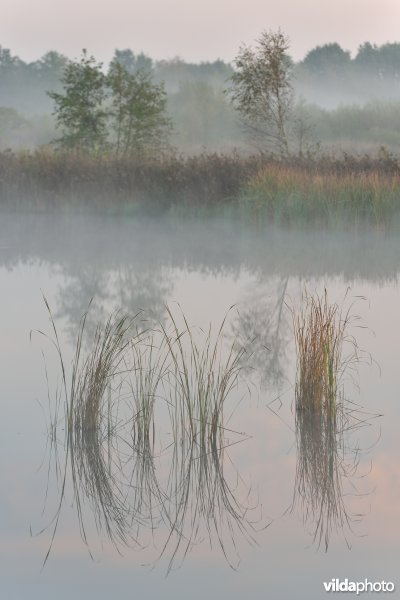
[(147, 435)]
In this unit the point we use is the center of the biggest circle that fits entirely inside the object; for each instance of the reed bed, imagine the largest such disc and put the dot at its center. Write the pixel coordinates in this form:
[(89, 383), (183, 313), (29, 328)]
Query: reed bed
[(320, 189), (52, 180), (345, 195)]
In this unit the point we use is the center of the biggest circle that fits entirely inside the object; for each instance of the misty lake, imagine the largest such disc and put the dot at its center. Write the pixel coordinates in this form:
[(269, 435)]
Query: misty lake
[(251, 535)]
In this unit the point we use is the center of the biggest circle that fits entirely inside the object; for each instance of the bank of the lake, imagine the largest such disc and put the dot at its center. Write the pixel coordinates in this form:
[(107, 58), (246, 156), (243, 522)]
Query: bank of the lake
[(317, 189)]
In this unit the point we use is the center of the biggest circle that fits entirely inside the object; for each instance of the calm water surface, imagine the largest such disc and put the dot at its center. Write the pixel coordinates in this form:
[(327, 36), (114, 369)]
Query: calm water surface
[(202, 269)]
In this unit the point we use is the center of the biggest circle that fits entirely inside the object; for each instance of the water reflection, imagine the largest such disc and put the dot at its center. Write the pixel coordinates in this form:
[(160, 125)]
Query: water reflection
[(263, 321), (208, 267), (321, 466), (147, 447), (181, 497), (328, 471), (129, 287), (128, 263)]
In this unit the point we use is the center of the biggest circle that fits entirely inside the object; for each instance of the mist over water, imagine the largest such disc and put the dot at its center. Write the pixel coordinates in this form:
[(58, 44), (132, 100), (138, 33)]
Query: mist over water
[(205, 267)]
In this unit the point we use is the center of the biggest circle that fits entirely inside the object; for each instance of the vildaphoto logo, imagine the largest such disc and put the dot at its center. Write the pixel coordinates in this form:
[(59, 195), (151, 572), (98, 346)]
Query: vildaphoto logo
[(336, 585)]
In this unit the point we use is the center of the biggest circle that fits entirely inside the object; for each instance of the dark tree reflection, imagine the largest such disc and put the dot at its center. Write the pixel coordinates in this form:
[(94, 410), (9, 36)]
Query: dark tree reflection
[(129, 288)]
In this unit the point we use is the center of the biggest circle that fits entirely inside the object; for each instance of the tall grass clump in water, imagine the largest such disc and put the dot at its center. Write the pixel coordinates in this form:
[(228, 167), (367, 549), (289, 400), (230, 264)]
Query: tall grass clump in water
[(323, 414), (113, 393), (203, 373), (202, 378), (92, 424), (320, 332), (88, 422), (91, 379), (146, 368)]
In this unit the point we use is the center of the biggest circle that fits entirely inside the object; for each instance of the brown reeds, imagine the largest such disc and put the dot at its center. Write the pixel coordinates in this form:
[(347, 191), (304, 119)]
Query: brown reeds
[(319, 189), (47, 179), (327, 193), (320, 331)]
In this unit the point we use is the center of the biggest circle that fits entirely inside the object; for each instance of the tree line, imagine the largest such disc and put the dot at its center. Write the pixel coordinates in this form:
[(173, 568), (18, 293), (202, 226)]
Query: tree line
[(127, 108), (23, 85)]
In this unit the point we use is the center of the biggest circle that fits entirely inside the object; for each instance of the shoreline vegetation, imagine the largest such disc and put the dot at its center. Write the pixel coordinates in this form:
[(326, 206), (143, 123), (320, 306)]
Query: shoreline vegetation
[(321, 189), (114, 150)]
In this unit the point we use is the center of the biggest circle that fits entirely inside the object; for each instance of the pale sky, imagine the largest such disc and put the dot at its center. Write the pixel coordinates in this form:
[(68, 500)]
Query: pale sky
[(195, 30)]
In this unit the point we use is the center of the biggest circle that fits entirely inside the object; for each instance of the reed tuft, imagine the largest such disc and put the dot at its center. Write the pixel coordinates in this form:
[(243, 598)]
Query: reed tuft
[(325, 352)]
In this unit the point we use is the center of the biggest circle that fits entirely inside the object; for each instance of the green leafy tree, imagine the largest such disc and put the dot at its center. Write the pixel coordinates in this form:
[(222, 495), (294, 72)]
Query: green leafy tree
[(262, 92), (138, 112), (80, 111)]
